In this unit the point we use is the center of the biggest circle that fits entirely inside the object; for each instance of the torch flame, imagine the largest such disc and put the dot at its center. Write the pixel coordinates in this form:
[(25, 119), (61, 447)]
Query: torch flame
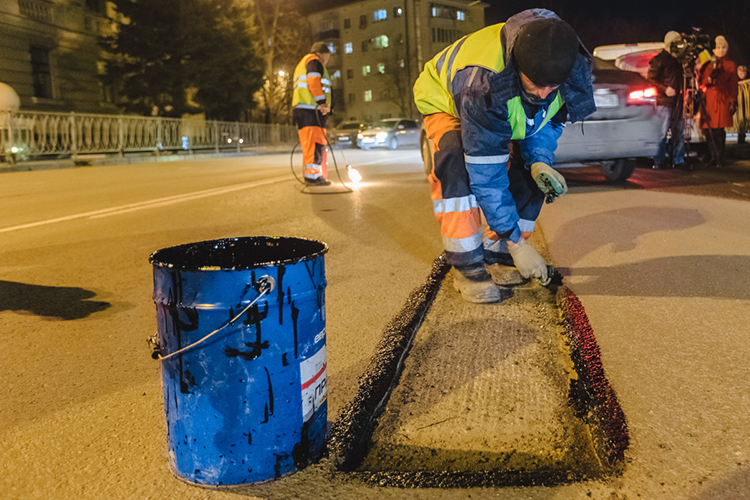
[(354, 175)]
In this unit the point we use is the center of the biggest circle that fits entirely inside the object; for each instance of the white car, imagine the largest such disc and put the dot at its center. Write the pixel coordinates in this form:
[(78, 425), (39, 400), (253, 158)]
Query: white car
[(391, 133)]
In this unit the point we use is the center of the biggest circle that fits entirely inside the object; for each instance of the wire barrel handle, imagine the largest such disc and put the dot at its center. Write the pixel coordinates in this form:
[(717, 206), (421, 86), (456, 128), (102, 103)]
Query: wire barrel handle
[(264, 285)]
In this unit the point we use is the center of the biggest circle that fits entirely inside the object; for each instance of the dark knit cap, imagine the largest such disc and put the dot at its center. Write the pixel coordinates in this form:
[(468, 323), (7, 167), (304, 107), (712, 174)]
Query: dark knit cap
[(545, 51), (320, 48)]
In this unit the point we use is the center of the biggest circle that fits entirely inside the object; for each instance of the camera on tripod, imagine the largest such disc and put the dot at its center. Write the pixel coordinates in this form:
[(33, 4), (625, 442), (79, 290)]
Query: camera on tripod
[(688, 48)]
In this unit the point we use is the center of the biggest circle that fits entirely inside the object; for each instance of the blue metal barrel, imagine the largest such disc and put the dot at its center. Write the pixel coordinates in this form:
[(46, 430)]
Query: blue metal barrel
[(244, 377)]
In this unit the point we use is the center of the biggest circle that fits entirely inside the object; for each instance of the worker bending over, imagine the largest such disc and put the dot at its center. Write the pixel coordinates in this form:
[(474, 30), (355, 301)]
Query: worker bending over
[(495, 103)]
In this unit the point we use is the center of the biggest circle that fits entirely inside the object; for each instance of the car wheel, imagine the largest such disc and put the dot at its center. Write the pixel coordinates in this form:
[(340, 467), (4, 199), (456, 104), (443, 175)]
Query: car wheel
[(425, 149), (393, 144), (618, 170)]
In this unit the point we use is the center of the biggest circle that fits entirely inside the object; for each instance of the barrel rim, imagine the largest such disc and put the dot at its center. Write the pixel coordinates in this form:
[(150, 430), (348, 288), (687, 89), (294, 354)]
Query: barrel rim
[(162, 264)]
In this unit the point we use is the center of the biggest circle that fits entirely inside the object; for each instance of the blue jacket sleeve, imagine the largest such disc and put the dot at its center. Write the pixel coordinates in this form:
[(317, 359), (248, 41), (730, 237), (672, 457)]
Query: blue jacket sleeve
[(486, 135), (541, 146)]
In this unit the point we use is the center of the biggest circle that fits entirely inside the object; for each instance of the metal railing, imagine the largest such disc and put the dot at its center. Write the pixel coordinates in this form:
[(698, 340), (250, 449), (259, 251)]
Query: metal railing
[(40, 135)]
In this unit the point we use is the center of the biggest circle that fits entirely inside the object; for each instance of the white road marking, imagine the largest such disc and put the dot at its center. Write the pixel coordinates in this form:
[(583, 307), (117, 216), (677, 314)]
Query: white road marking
[(381, 161), (158, 202)]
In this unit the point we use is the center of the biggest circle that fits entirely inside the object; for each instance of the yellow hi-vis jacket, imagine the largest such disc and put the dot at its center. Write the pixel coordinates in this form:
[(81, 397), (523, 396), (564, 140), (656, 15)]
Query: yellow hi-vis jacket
[(312, 85), (433, 90)]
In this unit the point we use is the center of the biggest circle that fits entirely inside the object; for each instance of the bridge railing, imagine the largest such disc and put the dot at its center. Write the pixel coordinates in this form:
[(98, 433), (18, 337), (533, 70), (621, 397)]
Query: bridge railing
[(38, 135)]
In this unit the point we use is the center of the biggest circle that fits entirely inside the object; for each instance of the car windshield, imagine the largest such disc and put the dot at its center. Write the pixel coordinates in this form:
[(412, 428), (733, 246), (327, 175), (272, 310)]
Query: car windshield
[(385, 124), (349, 126)]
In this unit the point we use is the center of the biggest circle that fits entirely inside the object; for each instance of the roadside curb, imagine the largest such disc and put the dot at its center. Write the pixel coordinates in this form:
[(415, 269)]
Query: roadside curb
[(103, 160)]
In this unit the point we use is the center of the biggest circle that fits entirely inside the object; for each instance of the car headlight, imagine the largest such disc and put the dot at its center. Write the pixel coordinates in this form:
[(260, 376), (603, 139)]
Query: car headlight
[(360, 136), (381, 136)]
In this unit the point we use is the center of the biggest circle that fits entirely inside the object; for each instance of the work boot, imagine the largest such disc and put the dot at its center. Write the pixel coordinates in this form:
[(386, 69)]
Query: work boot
[(505, 275), (475, 284), (501, 267), (320, 181)]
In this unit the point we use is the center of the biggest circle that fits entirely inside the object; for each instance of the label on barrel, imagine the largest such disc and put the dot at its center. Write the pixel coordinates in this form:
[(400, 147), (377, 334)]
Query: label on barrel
[(313, 374)]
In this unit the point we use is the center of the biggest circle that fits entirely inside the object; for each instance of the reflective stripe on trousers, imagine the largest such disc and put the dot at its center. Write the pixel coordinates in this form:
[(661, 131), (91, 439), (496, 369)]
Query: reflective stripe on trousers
[(455, 206)]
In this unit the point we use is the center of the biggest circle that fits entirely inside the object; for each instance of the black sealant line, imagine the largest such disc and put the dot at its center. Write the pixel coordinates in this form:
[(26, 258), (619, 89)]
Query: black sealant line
[(350, 434)]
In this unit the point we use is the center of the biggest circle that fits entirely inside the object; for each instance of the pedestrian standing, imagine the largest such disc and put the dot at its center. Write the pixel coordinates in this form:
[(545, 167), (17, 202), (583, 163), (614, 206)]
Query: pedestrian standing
[(742, 116), (665, 72), (718, 80)]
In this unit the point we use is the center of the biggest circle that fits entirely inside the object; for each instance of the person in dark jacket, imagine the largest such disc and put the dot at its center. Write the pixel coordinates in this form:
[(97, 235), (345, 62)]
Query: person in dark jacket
[(719, 82), (494, 104), (665, 72)]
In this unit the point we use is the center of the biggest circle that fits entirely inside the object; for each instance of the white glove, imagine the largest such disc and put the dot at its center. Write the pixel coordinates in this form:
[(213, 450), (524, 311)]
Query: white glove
[(549, 181), (528, 262)]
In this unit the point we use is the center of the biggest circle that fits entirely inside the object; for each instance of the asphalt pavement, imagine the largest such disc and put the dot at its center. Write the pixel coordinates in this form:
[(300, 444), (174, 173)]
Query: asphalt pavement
[(662, 277)]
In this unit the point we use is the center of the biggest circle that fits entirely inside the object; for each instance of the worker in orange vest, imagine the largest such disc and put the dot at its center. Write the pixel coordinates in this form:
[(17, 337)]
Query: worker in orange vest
[(312, 103)]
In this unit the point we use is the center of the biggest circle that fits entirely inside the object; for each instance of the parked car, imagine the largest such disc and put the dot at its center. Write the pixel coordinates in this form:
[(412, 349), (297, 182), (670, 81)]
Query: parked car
[(345, 133), (624, 127), (391, 133)]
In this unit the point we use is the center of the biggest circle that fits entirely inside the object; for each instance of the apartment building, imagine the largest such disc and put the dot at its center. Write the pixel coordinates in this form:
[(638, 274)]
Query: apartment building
[(380, 47), (49, 53)]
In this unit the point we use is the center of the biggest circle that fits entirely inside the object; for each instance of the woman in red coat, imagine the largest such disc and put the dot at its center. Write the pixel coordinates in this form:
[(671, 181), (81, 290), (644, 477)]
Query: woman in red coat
[(718, 80)]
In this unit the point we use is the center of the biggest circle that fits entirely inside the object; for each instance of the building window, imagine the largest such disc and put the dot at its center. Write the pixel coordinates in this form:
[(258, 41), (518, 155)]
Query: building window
[(400, 39), (368, 95), (351, 98), (95, 6), (107, 90), (397, 12), (380, 42), (40, 70), (461, 15), (347, 24), (363, 21), (348, 48), (326, 25), (365, 44), (401, 63), (443, 11), (380, 15), (381, 68), (349, 74), (366, 69), (442, 35), (336, 74), (332, 48)]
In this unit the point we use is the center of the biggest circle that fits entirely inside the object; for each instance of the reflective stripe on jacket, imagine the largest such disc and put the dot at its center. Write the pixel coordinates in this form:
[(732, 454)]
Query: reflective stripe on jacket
[(312, 85)]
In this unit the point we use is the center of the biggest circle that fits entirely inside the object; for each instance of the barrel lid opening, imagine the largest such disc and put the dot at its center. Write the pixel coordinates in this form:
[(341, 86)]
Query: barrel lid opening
[(237, 253)]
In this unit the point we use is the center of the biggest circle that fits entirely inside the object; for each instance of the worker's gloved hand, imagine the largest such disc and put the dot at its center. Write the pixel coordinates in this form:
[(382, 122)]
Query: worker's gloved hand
[(528, 262), (550, 181)]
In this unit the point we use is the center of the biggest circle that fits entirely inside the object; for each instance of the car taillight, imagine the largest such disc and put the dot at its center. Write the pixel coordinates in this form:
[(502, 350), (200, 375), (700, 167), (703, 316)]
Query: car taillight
[(642, 96)]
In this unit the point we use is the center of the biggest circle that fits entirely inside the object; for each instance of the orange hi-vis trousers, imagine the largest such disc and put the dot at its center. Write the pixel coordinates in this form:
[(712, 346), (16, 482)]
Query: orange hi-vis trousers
[(468, 240), (312, 137), (454, 205)]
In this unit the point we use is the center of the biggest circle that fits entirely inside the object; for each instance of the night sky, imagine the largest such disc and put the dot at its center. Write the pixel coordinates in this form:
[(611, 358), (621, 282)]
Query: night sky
[(603, 22)]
